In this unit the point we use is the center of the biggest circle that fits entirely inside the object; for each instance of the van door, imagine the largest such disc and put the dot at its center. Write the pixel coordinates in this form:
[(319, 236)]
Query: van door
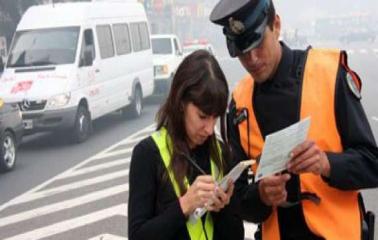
[(125, 66), (106, 67), (87, 72)]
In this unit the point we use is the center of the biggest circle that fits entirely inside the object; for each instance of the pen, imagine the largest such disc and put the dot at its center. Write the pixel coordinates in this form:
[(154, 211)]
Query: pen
[(195, 164), (191, 160)]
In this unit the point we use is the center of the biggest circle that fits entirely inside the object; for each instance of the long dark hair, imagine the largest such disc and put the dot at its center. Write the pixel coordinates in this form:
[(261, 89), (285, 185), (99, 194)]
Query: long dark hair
[(198, 80)]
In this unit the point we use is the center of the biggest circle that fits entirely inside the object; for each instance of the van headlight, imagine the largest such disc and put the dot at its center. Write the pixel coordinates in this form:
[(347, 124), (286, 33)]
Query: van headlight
[(161, 69), (1, 103), (58, 101)]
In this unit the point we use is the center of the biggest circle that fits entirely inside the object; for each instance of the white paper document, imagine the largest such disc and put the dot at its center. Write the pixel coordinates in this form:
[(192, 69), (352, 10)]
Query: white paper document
[(277, 148)]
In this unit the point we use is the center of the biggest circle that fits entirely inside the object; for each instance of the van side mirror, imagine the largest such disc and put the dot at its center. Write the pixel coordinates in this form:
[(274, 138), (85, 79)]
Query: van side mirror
[(1, 64), (88, 37), (86, 59), (87, 52)]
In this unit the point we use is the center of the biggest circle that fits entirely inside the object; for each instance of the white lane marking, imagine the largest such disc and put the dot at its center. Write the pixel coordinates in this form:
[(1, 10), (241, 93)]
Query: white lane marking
[(44, 232), (149, 129), (103, 166), (113, 153), (375, 118), (63, 205), (249, 230), (107, 236), (363, 51), (137, 138), (131, 138), (70, 186), (2, 207)]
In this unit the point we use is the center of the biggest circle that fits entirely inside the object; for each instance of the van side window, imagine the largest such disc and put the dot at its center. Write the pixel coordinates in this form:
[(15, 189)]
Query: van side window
[(88, 52), (105, 41), (122, 38), (144, 36), (141, 36), (137, 45)]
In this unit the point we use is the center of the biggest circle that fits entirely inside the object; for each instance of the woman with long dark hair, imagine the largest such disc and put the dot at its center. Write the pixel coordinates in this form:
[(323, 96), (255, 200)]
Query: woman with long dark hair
[(174, 171)]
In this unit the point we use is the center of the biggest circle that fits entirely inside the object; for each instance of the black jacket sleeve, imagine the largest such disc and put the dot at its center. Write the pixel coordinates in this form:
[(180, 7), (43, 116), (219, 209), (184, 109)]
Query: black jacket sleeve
[(251, 207), (144, 223), (356, 167)]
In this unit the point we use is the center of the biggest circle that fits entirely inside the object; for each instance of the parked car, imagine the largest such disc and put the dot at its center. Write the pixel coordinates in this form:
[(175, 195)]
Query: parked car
[(191, 46), (167, 55), (11, 130), (73, 62)]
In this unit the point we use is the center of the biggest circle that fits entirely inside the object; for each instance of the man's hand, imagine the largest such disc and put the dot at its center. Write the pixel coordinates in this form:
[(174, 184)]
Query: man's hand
[(272, 189), (309, 158)]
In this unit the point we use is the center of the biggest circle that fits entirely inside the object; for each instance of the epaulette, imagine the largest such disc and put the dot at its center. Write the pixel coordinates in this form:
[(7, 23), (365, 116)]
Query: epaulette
[(353, 80)]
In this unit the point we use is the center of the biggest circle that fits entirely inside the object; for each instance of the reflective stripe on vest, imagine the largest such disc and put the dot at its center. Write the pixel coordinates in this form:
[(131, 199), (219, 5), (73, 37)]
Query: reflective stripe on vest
[(195, 230), (337, 217)]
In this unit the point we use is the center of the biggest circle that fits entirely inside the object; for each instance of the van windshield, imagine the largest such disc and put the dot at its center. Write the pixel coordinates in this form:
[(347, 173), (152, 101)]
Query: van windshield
[(43, 47), (161, 46)]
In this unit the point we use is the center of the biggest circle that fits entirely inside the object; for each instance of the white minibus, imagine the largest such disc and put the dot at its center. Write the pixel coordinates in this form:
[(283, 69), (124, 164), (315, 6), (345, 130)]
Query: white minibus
[(71, 63)]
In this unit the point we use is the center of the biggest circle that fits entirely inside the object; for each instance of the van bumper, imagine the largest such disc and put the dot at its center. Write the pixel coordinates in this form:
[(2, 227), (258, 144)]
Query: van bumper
[(162, 86), (51, 120)]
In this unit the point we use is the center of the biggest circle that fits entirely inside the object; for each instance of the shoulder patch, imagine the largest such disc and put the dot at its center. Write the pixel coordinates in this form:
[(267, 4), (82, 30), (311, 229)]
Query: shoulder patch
[(353, 80), (353, 85)]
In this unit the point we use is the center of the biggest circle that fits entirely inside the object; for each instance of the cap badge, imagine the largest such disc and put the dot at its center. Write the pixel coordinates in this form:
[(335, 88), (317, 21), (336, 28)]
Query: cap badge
[(236, 26)]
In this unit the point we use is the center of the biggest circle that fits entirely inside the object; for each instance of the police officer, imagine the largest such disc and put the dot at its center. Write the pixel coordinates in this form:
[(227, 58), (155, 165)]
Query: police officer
[(317, 198)]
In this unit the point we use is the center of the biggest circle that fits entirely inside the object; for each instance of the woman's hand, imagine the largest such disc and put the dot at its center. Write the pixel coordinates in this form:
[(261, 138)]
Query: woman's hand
[(198, 194), (220, 198)]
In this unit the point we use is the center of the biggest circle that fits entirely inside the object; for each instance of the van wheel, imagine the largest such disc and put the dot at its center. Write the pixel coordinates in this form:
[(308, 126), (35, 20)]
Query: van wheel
[(8, 150), (137, 104), (82, 126)]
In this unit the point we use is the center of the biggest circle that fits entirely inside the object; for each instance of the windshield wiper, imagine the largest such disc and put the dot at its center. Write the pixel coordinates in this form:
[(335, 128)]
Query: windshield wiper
[(32, 64), (40, 63)]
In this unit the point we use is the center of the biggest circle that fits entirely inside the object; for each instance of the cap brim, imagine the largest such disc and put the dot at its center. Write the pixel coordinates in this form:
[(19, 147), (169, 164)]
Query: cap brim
[(246, 42), (261, 32)]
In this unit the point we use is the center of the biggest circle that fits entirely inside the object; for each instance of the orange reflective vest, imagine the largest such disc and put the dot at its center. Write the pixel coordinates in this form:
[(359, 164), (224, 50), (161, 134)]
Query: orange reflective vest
[(337, 217)]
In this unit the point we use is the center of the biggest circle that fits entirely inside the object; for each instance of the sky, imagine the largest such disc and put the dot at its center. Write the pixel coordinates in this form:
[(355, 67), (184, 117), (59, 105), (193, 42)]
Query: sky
[(302, 12)]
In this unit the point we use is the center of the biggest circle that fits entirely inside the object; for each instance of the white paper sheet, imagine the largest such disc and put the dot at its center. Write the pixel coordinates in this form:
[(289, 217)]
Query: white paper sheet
[(277, 148)]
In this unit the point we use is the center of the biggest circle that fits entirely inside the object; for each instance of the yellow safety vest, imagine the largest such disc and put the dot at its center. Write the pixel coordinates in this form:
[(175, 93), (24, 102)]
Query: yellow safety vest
[(337, 217), (195, 230)]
